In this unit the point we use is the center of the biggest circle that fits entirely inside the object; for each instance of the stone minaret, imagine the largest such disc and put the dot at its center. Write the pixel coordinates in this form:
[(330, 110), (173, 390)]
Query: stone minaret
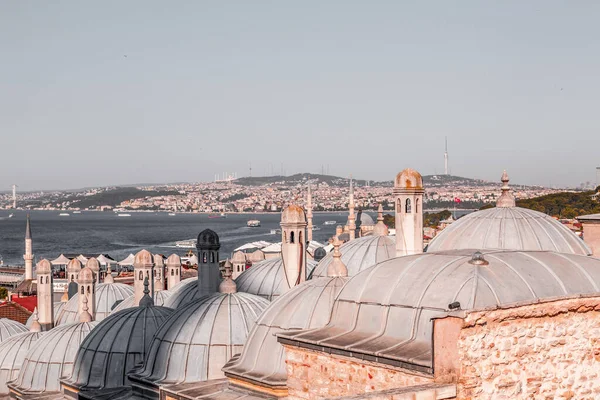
[(228, 285), (173, 271), (293, 245), (45, 302), (380, 228), (506, 199), (309, 216), (109, 278), (208, 246), (87, 291), (159, 274), (408, 196), (337, 266), (73, 270), (94, 265), (351, 215), (28, 256), (143, 266)]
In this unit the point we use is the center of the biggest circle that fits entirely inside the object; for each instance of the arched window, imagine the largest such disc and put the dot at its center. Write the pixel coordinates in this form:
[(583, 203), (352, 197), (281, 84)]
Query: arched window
[(172, 272), (82, 290), (408, 206), (300, 237), (204, 257), (47, 279), (41, 279), (285, 237), (176, 272), (89, 291), (417, 206), (291, 237), (141, 276), (399, 206), (212, 257)]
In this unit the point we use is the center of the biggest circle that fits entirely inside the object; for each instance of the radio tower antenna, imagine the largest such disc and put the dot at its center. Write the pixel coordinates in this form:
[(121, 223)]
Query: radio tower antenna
[(446, 158)]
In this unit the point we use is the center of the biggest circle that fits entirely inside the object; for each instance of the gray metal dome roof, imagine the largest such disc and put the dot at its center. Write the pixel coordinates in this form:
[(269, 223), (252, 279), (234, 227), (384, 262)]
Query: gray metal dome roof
[(267, 278), (159, 300), (360, 254), (12, 354), (115, 347), (185, 292), (508, 228), (200, 337), (51, 358), (386, 311), (305, 306), (364, 219), (9, 327), (107, 294)]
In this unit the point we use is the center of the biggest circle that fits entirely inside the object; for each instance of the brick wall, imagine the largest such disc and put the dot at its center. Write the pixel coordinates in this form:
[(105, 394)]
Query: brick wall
[(549, 350), (15, 312), (314, 375)]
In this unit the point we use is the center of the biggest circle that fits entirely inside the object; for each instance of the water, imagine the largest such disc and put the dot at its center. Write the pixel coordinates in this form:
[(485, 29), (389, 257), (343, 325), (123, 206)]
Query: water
[(105, 232)]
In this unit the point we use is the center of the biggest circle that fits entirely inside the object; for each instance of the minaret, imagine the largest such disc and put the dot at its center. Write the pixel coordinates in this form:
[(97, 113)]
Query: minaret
[(309, 216), (146, 300), (73, 270), (87, 291), (228, 285), (159, 274), (337, 266), (446, 158), (351, 215), (45, 301), (208, 246), (28, 256), (173, 271), (94, 265), (506, 199), (408, 196), (85, 315), (380, 228), (143, 266), (293, 245), (109, 278)]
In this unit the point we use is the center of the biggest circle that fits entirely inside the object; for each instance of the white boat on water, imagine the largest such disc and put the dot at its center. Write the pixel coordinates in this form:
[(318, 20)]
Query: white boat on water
[(186, 244), (11, 215), (123, 215), (329, 223), (76, 212), (64, 215), (172, 214), (253, 223)]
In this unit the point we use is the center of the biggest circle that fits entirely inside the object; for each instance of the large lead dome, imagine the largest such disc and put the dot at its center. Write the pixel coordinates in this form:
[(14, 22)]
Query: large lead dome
[(107, 295), (12, 353)]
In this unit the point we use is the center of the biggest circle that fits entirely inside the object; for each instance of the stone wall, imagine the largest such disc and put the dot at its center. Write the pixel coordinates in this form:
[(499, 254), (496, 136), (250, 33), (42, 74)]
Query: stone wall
[(315, 375), (549, 350), (591, 236)]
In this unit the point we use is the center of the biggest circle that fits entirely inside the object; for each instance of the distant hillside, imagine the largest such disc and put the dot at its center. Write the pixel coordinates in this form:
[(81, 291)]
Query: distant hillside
[(565, 204), (118, 195)]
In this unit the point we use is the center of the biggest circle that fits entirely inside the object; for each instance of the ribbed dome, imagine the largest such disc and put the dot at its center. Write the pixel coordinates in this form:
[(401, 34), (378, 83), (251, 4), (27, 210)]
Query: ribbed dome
[(115, 347), (267, 278), (387, 310), (12, 354), (51, 358), (185, 292), (58, 306), (293, 214), (364, 219), (360, 254), (107, 294), (306, 306), (9, 327), (509, 228), (159, 300), (200, 337)]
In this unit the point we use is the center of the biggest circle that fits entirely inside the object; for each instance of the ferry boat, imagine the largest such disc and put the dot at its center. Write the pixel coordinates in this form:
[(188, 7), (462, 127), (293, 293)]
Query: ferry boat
[(172, 214), (253, 223), (123, 215), (222, 215), (186, 244), (64, 215), (76, 212), (275, 231), (11, 215), (329, 223)]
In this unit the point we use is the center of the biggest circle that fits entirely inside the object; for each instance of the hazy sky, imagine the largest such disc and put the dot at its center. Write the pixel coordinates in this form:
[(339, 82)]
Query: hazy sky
[(110, 92)]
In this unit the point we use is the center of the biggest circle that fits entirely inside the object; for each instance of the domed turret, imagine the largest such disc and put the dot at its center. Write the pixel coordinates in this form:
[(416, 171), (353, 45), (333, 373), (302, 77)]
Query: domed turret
[(94, 265), (409, 179), (12, 354), (173, 271), (143, 257), (293, 214), (408, 198), (208, 239)]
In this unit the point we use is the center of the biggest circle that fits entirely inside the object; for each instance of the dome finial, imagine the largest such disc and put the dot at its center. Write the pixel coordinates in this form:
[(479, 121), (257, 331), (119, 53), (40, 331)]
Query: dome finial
[(506, 199), (35, 325), (85, 315), (337, 266), (228, 285), (109, 278), (380, 228), (146, 301)]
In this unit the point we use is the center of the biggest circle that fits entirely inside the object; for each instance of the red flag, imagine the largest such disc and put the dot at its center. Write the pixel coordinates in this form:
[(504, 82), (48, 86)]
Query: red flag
[(456, 200)]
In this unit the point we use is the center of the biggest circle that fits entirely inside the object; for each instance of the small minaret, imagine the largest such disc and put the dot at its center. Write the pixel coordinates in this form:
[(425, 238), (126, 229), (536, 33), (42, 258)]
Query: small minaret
[(173, 271), (506, 199), (380, 228), (45, 301), (293, 245), (408, 196), (109, 278), (85, 315), (208, 246), (28, 256), (309, 215), (146, 300), (35, 325), (337, 266), (351, 215), (159, 274), (87, 291), (228, 285), (143, 266), (73, 270), (94, 265)]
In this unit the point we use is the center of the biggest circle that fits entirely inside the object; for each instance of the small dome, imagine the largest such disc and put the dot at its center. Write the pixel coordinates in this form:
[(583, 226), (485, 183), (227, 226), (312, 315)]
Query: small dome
[(267, 278), (508, 228), (143, 257), (86, 275), (107, 294), (238, 257), (74, 266), (320, 254), (293, 214), (256, 256), (207, 240), (360, 254), (51, 358), (43, 267), (9, 327), (159, 300), (364, 219), (12, 354), (200, 337), (173, 259), (387, 310), (306, 306), (58, 306), (93, 264), (185, 292), (409, 179), (115, 347), (159, 259)]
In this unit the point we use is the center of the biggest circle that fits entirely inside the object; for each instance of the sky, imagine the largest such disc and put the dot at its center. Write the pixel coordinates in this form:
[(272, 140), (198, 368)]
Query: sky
[(117, 92)]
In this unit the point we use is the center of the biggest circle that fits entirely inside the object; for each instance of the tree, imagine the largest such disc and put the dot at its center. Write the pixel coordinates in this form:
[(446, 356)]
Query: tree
[(3, 293)]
